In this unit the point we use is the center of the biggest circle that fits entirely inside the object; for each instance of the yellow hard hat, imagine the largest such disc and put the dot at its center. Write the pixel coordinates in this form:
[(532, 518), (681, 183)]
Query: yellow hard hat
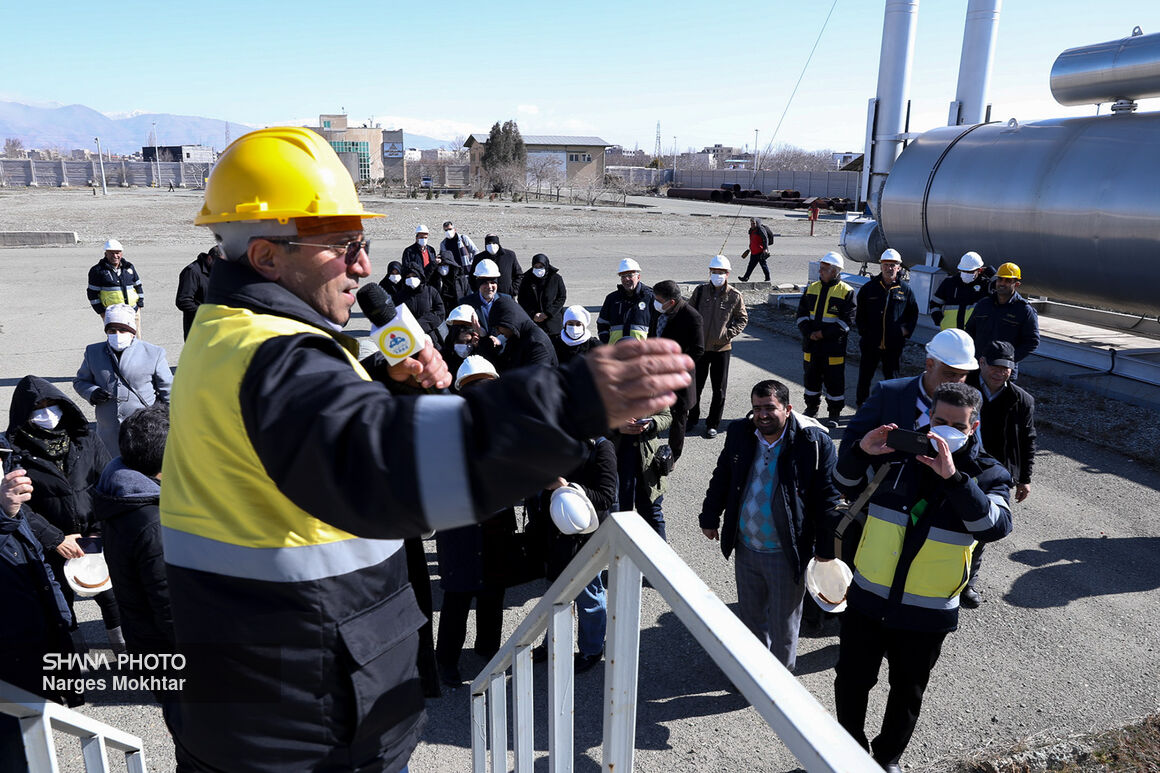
[(1010, 271), (279, 173)]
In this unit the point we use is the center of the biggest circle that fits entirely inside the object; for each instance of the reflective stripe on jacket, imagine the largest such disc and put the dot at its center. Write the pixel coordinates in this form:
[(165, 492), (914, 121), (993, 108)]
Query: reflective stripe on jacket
[(108, 287), (953, 302), (830, 309)]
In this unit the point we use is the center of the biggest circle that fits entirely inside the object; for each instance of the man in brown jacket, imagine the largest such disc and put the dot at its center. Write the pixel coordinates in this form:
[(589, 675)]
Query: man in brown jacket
[(723, 310)]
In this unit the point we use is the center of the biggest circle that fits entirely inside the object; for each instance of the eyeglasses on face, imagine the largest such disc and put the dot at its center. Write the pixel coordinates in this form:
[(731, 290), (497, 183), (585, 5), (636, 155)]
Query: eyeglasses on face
[(349, 250)]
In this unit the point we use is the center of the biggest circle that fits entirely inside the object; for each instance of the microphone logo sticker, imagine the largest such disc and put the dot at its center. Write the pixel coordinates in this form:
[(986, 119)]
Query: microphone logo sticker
[(397, 341)]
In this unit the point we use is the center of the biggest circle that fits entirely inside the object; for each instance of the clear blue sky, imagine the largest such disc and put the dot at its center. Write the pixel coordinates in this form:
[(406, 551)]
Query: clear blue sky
[(709, 72)]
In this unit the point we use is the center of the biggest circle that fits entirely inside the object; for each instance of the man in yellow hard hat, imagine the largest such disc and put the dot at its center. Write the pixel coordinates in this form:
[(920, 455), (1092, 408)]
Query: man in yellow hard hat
[(291, 477), (1006, 315)]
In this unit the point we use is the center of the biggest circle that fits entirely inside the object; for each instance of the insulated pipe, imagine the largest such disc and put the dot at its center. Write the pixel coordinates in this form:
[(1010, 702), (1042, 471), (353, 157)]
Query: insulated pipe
[(894, 65), (979, 34), (1106, 72)]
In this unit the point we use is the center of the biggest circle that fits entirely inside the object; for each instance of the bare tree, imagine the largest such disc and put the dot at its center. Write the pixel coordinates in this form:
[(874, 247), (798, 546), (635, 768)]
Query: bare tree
[(543, 170), (792, 158), (13, 148)]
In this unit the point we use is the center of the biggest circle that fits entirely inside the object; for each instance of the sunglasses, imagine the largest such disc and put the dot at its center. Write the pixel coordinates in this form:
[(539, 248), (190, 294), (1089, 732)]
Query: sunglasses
[(349, 250)]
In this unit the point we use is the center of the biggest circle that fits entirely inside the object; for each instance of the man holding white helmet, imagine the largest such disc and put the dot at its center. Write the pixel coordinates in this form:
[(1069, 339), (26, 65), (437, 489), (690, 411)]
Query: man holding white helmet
[(723, 310), (886, 316), (825, 316), (114, 280), (924, 519), (954, 301), (627, 310)]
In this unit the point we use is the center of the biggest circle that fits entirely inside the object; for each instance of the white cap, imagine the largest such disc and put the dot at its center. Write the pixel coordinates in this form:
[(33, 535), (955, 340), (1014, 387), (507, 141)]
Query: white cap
[(121, 314), (955, 348), (827, 582), (572, 510), (88, 575), (113, 245), (890, 255), (720, 261), (421, 229), (970, 262), (463, 314), (832, 258), (472, 367), (628, 264), (486, 269)]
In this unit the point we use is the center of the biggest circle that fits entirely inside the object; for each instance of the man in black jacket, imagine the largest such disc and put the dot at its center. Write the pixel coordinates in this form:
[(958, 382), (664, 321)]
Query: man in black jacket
[(114, 280), (677, 320), (774, 483), (419, 254), (192, 284), (626, 311), (510, 272), (1007, 427), (886, 315)]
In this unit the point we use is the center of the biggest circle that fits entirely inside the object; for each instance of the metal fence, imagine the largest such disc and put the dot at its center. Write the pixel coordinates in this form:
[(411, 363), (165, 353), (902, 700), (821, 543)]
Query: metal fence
[(829, 184), (632, 550)]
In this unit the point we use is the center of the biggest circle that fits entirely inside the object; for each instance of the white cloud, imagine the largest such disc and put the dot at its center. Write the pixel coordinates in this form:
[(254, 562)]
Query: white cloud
[(528, 109), (439, 128)]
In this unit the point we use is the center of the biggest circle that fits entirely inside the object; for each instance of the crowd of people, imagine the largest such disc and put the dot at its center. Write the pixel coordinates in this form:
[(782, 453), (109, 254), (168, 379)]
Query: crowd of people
[(270, 505)]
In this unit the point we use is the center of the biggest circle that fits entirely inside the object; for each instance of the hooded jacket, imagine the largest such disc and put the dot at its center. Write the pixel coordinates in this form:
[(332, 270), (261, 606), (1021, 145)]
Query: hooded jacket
[(764, 236), (546, 296), (451, 286), (137, 378), (529, 346), (423, 301), (126, 504), (289, 480), (511, 274), (63, 497)]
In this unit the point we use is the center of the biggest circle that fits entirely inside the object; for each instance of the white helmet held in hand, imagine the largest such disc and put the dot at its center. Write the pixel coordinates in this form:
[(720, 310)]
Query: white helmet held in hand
[(572, 511), (827, 582), (955, 348)]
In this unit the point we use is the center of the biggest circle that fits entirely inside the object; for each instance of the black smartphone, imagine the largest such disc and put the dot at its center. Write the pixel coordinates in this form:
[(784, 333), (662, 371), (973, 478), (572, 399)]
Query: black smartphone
[(910, 442)]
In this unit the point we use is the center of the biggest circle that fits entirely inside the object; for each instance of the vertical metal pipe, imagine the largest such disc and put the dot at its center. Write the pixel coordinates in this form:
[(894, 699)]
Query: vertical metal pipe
[(979, 35), (101, 159), (894, 65)]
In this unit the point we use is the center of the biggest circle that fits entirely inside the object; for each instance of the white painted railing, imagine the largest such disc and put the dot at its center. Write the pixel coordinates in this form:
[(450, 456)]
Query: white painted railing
[(39, 718), (628, 546)]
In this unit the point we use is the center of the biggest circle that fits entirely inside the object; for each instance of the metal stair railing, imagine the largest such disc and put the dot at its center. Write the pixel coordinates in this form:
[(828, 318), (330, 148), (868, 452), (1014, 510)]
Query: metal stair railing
[(39, 718), (631, 550)]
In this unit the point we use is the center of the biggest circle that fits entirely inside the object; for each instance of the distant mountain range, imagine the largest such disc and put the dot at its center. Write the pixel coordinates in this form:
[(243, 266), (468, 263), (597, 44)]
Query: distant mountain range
[(75, 126)]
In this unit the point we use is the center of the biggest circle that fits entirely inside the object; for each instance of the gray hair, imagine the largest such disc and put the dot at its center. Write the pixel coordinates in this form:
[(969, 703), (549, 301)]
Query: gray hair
[(234, 238)]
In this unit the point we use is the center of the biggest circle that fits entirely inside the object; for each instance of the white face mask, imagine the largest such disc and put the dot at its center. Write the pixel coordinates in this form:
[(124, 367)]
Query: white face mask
[(421, 241), (395, 278), (47, 417), (120, 341), (444, 269), (659, 306), (955, 439), (412, 281), (717, 279), (574, 330), (967, 276), (450, 233), (493, 248), (463, 350), (539, 273)]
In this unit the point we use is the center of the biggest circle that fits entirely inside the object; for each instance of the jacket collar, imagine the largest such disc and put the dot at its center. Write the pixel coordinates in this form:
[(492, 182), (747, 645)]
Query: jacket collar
[(237, 285)]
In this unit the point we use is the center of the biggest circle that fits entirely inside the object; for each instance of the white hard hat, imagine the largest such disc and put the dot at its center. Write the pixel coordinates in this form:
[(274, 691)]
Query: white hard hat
[(955, 348), (628, 264), (970, 262), (463, 314), (88, 575), (720, 261), (421, 229), (827, 582), (890, 254), (113, 245), (121, 314), (486, 269), (833, 258), (572, 510), (474, 366)]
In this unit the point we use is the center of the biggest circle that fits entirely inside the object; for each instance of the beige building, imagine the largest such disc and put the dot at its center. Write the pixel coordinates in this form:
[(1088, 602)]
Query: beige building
[(364, 141), (554, 158)]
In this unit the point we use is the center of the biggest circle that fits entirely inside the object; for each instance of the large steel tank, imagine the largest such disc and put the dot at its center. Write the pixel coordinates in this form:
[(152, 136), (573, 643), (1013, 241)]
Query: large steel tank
[(1075, 202)]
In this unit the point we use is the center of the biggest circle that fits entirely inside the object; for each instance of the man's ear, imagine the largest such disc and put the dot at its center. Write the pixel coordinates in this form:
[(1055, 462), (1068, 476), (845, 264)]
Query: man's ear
[(974, 427), (263, 257)]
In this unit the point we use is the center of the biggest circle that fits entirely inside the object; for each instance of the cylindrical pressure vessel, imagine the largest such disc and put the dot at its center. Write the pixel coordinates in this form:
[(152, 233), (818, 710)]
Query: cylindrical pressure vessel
[(1106, 72), (1073, 201)]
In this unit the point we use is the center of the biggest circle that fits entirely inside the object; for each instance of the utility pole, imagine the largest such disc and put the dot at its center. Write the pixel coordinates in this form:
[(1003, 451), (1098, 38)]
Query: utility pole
[(755, 166), (101, 159), (674, 159), (156, 156), (657, 149)]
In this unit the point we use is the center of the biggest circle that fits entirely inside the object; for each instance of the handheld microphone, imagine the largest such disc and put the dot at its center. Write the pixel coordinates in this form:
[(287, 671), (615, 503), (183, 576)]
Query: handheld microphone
[(395, 331)]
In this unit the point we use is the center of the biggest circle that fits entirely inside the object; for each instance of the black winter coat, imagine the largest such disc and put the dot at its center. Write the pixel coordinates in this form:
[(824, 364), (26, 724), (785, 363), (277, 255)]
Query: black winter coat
[(566, 353), (805, 481), (530, 345), (413, 257), (687, 328), (423, 301), (126, 503), (62, 499), (546, 296), (597, 476), (191, 287), (451, 286), (1015, 322), (885, 316), (511, 274), (1007, 428), (475, 558)]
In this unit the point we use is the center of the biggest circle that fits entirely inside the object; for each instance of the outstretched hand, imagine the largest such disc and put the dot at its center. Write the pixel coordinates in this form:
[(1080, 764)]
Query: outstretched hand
[(638, 378)]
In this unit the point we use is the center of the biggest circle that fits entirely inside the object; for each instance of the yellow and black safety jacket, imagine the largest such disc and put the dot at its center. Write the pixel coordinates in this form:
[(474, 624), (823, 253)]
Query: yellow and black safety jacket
[(954, 301), (828, 307), (290, 479), (109, 287), (914, 556), (625, 315)]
